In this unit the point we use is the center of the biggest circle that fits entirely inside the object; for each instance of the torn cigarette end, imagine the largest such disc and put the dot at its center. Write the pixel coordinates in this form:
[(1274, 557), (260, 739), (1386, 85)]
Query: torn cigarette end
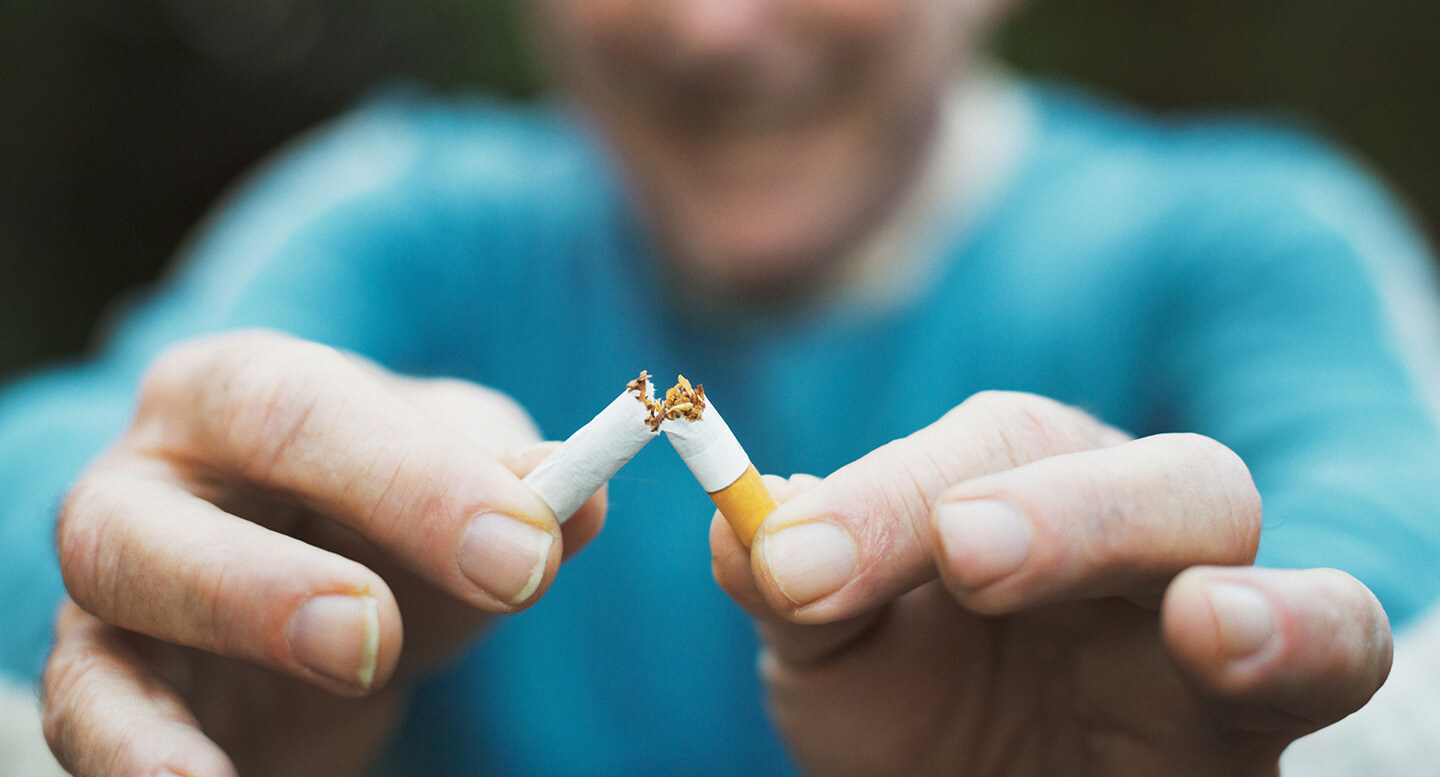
[(641, 386), (595, 452), (681, 401), (713, 454)]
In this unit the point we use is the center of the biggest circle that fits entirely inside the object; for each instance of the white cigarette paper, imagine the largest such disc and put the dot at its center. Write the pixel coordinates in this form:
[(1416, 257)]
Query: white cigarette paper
[(709, 448), (593, 454)]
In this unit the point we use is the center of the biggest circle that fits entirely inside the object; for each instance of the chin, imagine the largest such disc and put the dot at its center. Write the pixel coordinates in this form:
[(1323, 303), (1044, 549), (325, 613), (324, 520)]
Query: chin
[(760, 259)]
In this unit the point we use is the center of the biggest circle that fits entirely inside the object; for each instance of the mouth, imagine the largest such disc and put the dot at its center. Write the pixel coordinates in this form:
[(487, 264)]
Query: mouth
[(717, 110), (736, 98)]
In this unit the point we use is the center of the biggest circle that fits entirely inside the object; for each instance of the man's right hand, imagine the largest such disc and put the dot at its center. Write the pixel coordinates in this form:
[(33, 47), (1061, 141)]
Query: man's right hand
[(239, 562)]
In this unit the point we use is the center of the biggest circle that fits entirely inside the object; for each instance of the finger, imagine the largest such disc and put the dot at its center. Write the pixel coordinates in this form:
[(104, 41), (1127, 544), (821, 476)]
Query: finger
[(585, 523), (107, 714), (729, 558), (1120, 521), (471, 410), (862, 537), (731, 565), (1299, 649), (304, 421), (899, 699), (492, 421), (149, 557)]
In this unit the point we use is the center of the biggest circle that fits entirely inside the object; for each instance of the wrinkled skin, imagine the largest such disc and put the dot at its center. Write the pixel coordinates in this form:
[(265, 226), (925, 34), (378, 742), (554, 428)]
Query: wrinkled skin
[(762, 138), (260, 474), (1111, 643)]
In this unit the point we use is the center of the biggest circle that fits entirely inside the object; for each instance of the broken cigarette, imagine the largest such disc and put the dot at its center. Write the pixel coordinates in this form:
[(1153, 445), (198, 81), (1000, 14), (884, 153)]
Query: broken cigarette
[(592, 455), (595, 452), (706, 444)]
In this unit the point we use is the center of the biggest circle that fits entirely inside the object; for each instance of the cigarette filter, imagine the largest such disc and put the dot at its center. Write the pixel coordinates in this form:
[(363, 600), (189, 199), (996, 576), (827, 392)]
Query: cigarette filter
[(723, 468), (595, 452)]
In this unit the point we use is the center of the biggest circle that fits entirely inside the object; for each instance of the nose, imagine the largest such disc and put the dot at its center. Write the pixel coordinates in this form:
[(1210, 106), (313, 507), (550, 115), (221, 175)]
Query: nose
[(720, 28)]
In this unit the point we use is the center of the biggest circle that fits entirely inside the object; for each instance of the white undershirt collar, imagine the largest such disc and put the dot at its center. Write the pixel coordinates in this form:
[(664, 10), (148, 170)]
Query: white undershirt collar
[(986, 126)]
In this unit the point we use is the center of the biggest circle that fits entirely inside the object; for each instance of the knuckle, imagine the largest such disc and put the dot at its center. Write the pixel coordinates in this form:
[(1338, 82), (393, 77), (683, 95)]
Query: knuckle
[(265, 401), (63, 682), (168, 383), (167, 373), (1023, 427), (175, 376), (487, 416), (54, 724), (994, 404), (905, 496), (212, 622), (63, 674), (86, 519), (512, 415), (457, 392), (177, 366)]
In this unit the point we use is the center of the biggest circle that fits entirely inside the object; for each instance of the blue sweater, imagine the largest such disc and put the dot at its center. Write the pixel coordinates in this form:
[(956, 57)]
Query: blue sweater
[(1221, 278)]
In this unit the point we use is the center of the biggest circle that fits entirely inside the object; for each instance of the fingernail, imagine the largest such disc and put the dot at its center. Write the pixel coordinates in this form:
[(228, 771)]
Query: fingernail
[(338, 636), (505, 556), (809, 561), (983, 540), (1244, 617)]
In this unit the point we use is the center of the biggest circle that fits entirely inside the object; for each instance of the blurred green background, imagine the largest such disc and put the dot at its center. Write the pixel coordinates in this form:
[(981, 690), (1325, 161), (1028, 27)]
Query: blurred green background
[(122, 120)]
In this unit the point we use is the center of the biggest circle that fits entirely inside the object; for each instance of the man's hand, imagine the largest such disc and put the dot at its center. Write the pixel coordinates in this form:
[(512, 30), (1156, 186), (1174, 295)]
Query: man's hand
[(1021, 590), (240, 561)]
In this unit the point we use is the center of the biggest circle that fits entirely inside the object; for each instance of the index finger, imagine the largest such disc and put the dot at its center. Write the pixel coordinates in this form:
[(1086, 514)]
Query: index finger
[(862, 537), (304, 421)]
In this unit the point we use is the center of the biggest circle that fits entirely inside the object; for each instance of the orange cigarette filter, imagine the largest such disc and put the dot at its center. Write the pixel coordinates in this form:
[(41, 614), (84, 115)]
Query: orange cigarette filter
[(745, 504)]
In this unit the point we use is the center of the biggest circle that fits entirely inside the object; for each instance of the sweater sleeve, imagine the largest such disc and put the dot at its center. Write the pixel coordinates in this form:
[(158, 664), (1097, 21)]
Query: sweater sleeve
[(328, 243), (1309, 342)]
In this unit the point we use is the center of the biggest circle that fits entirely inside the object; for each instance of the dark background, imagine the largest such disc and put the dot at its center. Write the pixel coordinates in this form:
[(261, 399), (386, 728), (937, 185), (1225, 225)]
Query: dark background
[(121, 120)]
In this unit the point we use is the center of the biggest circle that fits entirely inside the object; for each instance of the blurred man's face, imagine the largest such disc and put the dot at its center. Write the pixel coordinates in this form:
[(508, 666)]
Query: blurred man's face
[(762, 136)]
